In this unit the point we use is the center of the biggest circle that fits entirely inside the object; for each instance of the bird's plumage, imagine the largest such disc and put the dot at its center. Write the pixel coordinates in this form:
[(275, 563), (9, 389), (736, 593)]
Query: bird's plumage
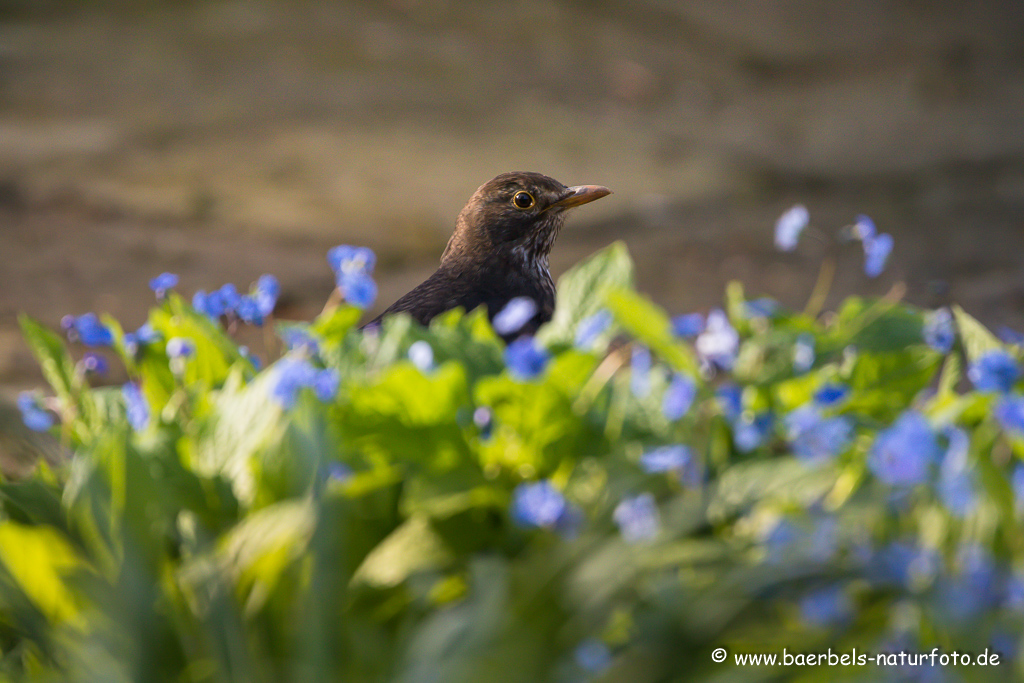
[(499, 249)]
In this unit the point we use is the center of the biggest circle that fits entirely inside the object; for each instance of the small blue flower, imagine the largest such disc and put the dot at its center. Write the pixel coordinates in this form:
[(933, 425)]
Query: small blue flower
[(789, 226), (637, 518), (230, 296), (678, 397), (876, 253), (826, 606), (831, 394), (91, 332), (144, 336), (338, 472), (346, 259), (938, 330), (358, 289), (94, 364), (803, 353), (780, 539), (211, 305), (163, 282), (179, 347), (593, 656), (974, 589), (591, 328), (292, 375), (996, 370), (749, 432), (818, 439), (1015, 592), (538, 504), (525, 359), (719, 343), (1010, 336), (761, 308), (300, 339), (640, 371), (730, 398), (688, 325), (249, 311), (677, 459), (422, 356), (136, 406), (483, 418), (325, 384), (32, 413), (516, 313), (903, 453), (1009, 412), (267, 291), (956, 484), (1017, 483), (864, 228), (900, 564)]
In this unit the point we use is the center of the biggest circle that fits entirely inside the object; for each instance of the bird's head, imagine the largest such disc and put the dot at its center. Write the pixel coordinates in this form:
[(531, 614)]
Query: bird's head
[(519, 212)]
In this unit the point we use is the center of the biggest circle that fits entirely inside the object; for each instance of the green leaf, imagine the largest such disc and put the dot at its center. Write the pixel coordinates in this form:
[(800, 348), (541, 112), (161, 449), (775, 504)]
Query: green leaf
[(39, 558), (412, 547), (977, 340), (651, 326), (54, 360), (583, 288)]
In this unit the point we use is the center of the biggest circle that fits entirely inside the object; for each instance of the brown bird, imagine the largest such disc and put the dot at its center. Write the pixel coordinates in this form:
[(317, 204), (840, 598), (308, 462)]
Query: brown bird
[(499, 250)]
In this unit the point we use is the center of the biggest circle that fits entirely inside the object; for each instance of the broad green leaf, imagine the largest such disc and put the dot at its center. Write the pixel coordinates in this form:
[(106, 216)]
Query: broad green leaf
[(977, 340), (582, 290), (55, 362), (39, 559), (412, 547), (651, 326)]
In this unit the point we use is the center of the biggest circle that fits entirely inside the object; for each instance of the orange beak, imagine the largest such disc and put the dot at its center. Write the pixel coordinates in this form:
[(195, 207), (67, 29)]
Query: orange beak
[(581, 194)]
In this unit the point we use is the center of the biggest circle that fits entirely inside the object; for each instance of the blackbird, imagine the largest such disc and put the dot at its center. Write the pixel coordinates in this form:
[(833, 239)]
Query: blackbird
[(499, 250)]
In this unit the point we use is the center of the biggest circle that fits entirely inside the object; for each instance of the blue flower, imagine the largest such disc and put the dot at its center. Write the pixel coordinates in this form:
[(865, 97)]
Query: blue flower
[(300, 339), (136, 406), (591, 328), (730, 398), (637, 518), (864, 228), (95, 364), (831, 394), (1010, 336), (903, 453), (592, 655), (938, 330), (640, 371), (826, 606), (1015, 592), (956, 479), (525, 359), (338, 472), (817, 439), (750, 432), (211, 305), (144, 336), (32, 413), (719, 342), (163, 282), (292, 374), (358, 289), (248, 309), (761, 308), (803, 353), (349, 259), (516, 313), (267, 291), (789, 226), (675, 458), (538, 504), (91, 332), (179, 347), (1017, 483), (973, 589), (422, 356), (876, 253), (900, 564), (688, 325), (996, 370), (230, 296), (325, 384), (678, 397), (483, 418), (1009, 412)]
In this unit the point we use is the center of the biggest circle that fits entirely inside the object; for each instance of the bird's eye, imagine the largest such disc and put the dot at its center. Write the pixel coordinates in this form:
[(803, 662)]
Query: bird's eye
[(523, 200)]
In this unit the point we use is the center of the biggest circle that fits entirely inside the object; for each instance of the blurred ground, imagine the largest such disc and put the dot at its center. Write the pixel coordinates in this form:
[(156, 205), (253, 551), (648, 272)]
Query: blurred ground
[(221, 140)]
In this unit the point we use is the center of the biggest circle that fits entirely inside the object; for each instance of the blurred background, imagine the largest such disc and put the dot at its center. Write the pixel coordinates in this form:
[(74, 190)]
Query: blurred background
[(221, 140)]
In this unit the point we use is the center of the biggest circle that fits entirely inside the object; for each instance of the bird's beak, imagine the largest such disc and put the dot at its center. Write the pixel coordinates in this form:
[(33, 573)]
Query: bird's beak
[(580, 194)]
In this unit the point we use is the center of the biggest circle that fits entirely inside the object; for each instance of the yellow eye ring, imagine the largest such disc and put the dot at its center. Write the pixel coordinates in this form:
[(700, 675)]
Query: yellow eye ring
[(523, 200)]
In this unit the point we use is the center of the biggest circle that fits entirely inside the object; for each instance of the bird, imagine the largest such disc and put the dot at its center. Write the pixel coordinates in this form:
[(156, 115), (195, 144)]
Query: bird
[(499, 251)]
